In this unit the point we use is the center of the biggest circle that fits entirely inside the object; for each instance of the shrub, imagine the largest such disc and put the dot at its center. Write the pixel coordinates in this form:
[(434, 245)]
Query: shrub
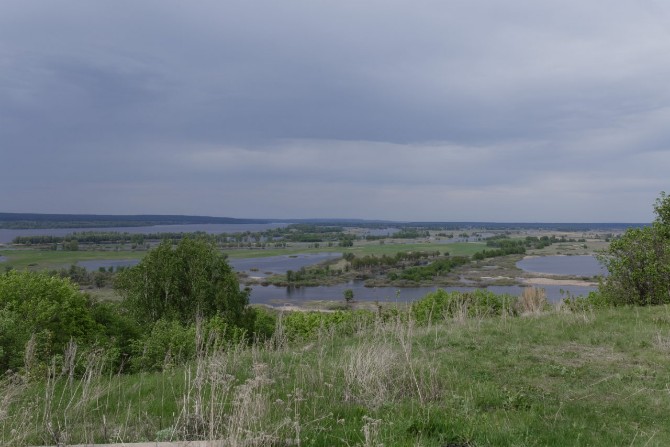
[(265, 323), (49, 308), (307, 325), (167, 344), (441, 304), (594, 300)]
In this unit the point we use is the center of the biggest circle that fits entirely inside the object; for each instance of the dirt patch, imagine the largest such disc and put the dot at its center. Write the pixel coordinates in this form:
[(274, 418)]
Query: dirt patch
[(544, 281)]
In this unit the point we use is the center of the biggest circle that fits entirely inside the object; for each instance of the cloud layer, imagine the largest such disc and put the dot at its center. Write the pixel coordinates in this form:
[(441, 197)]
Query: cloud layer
[(428, 110)]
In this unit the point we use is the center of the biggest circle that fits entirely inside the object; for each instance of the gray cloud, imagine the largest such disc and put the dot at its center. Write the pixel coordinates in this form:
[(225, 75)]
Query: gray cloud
[(426, 110)]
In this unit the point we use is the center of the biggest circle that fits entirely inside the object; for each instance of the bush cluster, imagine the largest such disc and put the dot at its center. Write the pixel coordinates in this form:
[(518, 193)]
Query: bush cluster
[(479, 303)]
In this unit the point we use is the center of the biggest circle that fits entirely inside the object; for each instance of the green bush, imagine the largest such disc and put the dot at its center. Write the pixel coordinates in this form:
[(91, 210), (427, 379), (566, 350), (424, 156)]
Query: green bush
[(441, 304), (13, 337), (594, 300), (49, 308), (307, 325), (265, 323), (117, 331), (638, 262), (167, 344)]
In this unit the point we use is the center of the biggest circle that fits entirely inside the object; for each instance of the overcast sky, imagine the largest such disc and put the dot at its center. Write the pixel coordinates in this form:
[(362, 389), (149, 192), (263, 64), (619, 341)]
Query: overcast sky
[(516, 110)]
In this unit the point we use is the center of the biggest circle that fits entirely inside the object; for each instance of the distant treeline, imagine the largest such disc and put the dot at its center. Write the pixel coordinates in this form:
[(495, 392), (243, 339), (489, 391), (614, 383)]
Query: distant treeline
[(32, 220), (503, 245), (35, 220), (291, 233), (96, 238)]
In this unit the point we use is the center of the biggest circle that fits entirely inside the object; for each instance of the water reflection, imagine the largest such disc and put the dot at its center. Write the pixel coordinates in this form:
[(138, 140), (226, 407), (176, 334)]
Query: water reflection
[(279, 295), (95, 265), (585, 265), (270, 265)]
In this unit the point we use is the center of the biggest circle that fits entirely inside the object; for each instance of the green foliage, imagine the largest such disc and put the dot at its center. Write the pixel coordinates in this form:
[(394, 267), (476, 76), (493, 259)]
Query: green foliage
[(167, 344), (639, 262), (441, 304), (385, 261), (508, 249), (182, 282), (348, 295), (118, 332), (435, 268), (265, 323), (639, 267), (410, 233), (594, 300), (662, 210), (48, 307), (13, 336), (307, 325)]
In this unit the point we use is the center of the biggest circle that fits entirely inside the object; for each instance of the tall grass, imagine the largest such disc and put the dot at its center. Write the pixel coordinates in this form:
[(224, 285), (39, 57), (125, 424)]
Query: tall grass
[(557, 377)]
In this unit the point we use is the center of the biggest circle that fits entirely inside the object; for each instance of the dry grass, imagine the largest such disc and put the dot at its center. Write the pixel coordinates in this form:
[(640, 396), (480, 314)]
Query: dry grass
[(370, 371), (533, 301)]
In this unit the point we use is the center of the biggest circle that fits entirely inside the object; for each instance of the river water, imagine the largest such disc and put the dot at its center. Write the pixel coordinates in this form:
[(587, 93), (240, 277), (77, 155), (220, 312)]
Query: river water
[(585, 265), (296, 295), (279, 265)]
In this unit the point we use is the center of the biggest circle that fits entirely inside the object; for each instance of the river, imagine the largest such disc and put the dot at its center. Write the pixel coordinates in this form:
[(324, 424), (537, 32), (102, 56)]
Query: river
[(296, 295), (582, 265)]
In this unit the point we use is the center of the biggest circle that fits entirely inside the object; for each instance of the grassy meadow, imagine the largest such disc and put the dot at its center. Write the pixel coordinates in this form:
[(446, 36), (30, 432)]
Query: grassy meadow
[(36, 259), (545, 378)]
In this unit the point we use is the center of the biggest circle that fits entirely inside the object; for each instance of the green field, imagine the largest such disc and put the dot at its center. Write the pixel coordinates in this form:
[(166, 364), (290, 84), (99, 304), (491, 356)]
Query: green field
[(35, 259)]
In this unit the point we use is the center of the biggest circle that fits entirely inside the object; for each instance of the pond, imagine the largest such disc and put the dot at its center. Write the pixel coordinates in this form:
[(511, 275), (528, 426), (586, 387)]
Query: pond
[(381, 231), (586, 265), (260, 267), (271, 265), (94, 265)]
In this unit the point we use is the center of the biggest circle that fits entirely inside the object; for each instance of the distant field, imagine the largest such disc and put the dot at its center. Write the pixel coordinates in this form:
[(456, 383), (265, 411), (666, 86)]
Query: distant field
[(454, 249), (50, 260), (367, 248)]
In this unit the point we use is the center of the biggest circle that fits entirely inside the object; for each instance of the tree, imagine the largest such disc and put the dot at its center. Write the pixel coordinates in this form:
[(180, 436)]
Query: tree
[(184, 281), (639, 262), (348, 296), (662, 211)]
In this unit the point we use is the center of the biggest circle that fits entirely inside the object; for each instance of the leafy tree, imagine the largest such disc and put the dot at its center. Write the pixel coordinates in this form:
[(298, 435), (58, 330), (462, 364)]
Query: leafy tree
[(183, 281), (639, 262), (349, 296)]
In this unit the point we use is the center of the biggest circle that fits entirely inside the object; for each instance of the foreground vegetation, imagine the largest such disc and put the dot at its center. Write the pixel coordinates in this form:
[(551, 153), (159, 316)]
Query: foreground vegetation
[(547, 377)]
